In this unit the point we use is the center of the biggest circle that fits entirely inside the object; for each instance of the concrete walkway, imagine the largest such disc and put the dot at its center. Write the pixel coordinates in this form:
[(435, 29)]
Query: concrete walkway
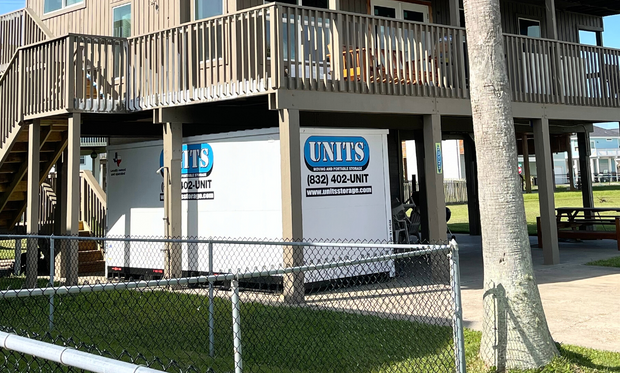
[(582, 303)]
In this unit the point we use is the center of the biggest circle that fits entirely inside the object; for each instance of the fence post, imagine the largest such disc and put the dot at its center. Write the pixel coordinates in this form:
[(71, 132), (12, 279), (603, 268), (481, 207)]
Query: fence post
[(18, 257), (211, 320), (236, 319), (457, 318), (51, 315)]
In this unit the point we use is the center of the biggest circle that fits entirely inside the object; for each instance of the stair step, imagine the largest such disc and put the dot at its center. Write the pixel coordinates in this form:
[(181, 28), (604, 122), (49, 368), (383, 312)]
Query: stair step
[(97, 267), (90, 256), (84, 233), (87, 246), (81, 225)]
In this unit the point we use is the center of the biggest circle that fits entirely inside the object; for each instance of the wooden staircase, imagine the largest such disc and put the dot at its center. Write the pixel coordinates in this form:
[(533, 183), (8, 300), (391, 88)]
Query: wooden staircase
[(14, 167), (90, 256)]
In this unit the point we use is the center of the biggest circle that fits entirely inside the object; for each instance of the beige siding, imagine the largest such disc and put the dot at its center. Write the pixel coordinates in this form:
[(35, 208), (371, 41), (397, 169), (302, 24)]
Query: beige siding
[(96, 17), (441, 12), (355, 6), (568, 23), (149, 16), (244, 4)]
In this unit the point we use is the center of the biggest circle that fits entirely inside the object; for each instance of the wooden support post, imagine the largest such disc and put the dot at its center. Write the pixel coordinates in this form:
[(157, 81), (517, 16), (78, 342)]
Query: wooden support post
[(32, 203), (552, 27), (70, 251), (617, 221), (421, 182), (571, 173), (526, 164), (455, 13), (473, 201), (292, 224), (433, 170), (173, 143), (583, 143), (542, 144), (539, 232), (60, 216)]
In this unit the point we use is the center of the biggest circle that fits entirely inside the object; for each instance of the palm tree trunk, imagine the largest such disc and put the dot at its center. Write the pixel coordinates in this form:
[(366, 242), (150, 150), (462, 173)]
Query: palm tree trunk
[(515, 331)]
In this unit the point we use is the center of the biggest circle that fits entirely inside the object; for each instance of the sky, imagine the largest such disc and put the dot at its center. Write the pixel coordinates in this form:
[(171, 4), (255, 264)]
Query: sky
[(611, 37)]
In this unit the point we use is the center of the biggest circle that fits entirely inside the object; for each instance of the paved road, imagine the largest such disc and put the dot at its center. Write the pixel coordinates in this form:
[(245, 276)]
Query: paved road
[(582, 303)]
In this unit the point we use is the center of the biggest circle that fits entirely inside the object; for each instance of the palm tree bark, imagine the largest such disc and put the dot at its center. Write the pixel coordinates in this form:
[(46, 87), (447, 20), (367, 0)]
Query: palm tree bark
[(515, 331)]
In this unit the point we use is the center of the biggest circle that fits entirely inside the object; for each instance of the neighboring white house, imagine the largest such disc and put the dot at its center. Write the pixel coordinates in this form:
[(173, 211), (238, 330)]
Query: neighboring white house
[(604, 158), (453, 159)]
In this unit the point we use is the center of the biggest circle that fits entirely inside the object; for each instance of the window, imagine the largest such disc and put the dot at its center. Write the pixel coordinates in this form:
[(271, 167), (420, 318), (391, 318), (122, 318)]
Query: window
[(410, 15), (54, 5), (208, 8), (316, 3), (121, 27), (313, 3), (400, 10), (587, 37), (294, 2), (529, 27), (382, 11), (122, 21)]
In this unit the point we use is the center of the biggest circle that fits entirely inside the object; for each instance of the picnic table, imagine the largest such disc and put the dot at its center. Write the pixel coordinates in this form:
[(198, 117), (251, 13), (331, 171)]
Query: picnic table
[(582, 223)]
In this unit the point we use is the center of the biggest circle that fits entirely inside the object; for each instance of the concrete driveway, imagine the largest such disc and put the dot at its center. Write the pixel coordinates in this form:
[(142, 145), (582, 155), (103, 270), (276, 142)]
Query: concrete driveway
[(582, 303)]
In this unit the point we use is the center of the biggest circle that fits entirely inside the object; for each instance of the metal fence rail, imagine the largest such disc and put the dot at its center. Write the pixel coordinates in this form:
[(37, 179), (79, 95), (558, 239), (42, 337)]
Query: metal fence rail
[(68, 356), (363, 307)]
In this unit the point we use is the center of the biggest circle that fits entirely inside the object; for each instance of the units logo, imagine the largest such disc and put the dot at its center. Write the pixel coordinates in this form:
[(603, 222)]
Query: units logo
[(196, 160), (336, 153)]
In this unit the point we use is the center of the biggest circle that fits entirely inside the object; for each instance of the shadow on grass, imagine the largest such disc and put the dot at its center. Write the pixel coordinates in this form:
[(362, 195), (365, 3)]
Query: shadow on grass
[(583, 357)]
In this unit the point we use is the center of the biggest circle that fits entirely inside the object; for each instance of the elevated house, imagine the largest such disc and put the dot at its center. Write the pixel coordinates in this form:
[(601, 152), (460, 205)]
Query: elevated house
[(153, 69)]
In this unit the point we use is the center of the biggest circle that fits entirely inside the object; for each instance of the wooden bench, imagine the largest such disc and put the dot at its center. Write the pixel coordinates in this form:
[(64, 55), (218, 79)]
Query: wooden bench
[(582, 228)]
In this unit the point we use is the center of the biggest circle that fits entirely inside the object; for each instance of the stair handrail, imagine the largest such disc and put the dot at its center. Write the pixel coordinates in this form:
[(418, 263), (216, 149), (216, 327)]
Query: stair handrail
[(11, 41), (46, 210), (37, 21), (93, 207), (28, 29)]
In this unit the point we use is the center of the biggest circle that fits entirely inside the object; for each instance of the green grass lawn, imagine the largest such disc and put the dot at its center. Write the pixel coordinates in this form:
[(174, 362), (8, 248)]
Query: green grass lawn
[(611, 262), (173, 327), (572, 359), (7, 249), (604, 196), (171, 330)]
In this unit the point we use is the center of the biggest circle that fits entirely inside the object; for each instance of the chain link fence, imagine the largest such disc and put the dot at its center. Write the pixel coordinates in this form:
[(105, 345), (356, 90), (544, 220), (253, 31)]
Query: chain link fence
[(220, 305)]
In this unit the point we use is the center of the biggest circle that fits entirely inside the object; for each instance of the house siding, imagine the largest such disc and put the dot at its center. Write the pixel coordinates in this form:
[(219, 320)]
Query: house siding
[(568, 23), (96, 17), (244, 4)]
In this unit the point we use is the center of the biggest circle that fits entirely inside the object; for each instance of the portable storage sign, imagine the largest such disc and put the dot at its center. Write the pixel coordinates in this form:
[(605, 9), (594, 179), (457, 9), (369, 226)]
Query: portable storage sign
[(345, 194), (196, 167)]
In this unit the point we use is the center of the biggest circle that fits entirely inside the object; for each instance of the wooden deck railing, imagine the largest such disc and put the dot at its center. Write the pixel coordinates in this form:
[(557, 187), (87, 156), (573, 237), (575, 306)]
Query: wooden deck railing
[(217, 58), (93, 204), (279, 46), (99, 78), (18, 29), (319, 49), (548, 71), (44, 67), (10, 102)]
